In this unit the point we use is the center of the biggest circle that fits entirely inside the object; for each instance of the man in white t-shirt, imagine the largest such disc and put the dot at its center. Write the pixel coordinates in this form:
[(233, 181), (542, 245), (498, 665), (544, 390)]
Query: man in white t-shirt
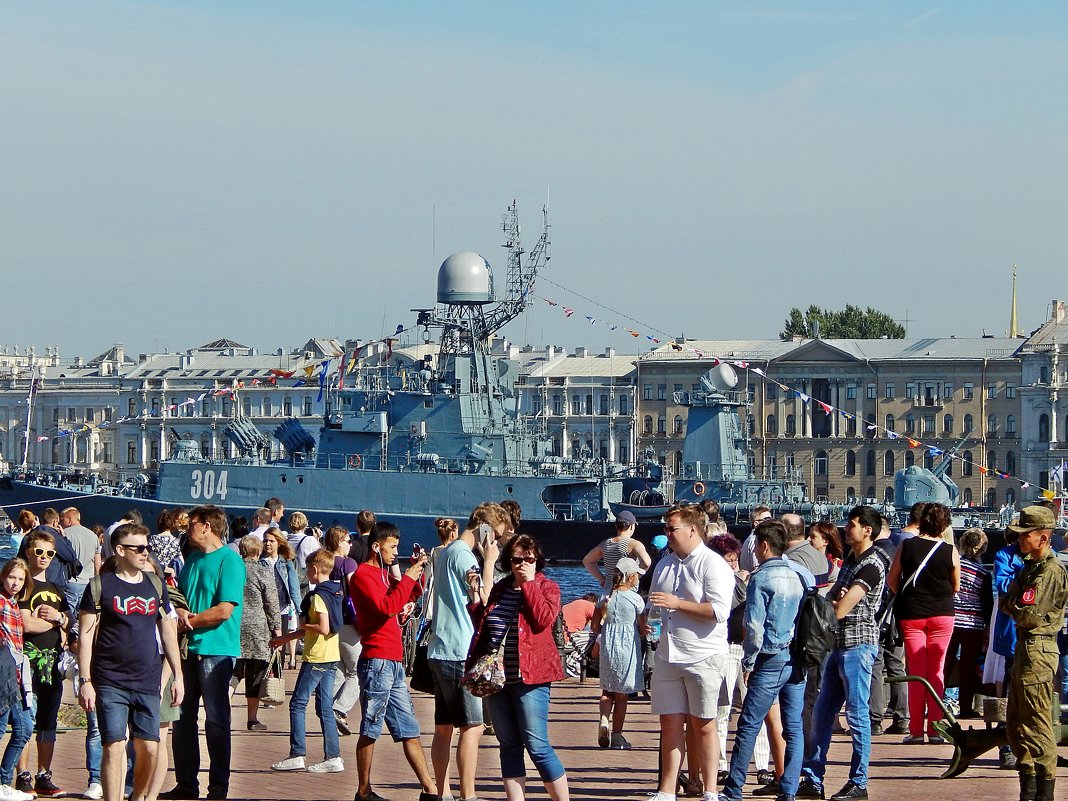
[(747, 560), (692, 587)]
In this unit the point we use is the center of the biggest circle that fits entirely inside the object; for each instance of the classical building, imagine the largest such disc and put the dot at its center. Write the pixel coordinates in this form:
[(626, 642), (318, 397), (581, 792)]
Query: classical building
[(945, 393), (1044, 402)]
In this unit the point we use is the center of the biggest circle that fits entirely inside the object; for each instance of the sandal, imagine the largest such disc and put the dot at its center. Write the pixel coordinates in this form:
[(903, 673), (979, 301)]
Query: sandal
[(691, 788)]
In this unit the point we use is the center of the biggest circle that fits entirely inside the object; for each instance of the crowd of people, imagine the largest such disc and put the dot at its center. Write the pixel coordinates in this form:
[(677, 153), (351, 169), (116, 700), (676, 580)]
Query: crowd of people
[(156, 628)]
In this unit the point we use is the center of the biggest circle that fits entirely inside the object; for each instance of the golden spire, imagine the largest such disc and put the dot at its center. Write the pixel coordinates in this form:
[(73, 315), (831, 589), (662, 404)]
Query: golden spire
[(1012, 317)]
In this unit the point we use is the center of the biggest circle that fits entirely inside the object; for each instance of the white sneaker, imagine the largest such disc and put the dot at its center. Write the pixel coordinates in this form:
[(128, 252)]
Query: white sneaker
[(290, 763), (94, 791), (334, 765), (9, 793)]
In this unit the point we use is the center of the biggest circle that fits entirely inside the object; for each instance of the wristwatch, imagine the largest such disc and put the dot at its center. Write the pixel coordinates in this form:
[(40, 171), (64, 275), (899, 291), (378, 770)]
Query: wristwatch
[(82, 681)]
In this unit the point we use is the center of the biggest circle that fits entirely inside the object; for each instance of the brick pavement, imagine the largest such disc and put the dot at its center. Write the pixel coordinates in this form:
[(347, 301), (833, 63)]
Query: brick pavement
[(901, 773)]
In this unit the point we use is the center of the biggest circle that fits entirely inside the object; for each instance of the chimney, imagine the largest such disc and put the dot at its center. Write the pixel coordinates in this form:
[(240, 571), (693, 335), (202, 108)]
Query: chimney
[(609, 352), (1058, 311), (581, 353), (78, 361), (120, 353)]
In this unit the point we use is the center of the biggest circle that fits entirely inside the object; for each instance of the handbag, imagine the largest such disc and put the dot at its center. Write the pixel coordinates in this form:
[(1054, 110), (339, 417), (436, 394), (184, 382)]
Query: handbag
[(273, 689), (486, 675)]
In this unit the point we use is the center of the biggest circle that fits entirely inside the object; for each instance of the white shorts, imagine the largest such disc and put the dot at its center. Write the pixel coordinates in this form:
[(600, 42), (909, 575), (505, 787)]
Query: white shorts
[(691, 689)]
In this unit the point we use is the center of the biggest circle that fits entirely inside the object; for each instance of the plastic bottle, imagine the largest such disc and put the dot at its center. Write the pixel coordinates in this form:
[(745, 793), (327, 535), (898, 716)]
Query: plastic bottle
[(653, 619)]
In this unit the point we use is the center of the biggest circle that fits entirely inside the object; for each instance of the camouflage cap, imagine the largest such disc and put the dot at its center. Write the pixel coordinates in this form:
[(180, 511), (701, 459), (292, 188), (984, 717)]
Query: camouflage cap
[(1034, 517)]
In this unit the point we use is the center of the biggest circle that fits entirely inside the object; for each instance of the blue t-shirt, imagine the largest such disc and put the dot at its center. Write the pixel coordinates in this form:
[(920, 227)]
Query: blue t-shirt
[(127, 651), (209, 579), (451, 626)]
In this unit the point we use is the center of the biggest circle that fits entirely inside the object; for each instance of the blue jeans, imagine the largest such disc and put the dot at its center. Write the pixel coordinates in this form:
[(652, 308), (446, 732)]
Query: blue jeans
[(94, 748), (206, 677), (315, 678), (773, 677), (846, 679), (21, 729), (385, 700), (1062, 685), (520, 714)]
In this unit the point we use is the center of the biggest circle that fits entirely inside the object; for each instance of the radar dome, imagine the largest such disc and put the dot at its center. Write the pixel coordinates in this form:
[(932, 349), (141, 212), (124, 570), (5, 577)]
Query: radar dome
[(465, 277), (720, 378)]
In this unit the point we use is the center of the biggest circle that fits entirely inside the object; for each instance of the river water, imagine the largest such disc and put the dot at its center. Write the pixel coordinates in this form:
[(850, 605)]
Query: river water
[(574, 580)]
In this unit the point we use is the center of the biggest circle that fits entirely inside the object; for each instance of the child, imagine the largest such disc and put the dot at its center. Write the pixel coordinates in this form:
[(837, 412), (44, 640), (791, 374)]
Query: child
[(322, 657), (620, 664), (15, 585)]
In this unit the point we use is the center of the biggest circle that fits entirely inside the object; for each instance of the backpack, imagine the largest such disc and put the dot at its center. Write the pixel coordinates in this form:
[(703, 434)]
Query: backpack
[(815, 629), (95, 588), (332, 595)]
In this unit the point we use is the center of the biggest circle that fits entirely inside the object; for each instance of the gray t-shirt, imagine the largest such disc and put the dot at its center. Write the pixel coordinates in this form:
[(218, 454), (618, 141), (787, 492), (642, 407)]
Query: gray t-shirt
[(84, 543)]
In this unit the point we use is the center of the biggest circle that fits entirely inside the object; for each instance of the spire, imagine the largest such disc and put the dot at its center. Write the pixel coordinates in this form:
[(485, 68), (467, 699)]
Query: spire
[(1013, 333)]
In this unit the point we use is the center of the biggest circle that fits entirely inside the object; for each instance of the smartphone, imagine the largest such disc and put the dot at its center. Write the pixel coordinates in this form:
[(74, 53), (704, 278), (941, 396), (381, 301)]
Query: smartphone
[(485, 534), (417, 551)]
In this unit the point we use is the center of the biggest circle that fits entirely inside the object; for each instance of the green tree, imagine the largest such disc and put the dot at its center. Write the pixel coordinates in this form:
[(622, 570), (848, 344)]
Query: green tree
[(852, 322)]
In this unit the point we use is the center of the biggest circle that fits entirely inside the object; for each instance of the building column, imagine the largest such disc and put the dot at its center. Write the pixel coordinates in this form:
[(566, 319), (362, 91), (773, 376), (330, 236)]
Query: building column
[(808, 409)]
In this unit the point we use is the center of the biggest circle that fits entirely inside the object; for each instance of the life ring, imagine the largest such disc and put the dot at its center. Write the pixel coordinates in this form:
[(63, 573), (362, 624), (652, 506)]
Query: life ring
[(355, 461), (698, 488)]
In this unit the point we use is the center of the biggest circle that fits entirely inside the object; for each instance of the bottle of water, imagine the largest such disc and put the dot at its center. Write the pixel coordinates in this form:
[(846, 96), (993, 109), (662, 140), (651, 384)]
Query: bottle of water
[(653, 619)]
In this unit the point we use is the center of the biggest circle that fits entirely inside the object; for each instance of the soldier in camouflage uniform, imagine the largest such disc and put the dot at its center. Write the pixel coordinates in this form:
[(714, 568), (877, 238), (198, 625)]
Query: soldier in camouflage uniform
[(1035, 600)]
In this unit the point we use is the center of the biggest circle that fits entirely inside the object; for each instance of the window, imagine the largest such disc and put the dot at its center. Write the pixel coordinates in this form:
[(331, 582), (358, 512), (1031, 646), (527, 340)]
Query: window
[(949, 466), (647, 392), (576, 404), (851, 426), (820, 463), (661, 425), (991, 390), (267, 407), (870, 492), (991, 498), (1010, 463), (624, 454), (226, 408), (947, 391), (969, 390), (604, 406), (1010, 497), (888, 495), (888, 391), (1043, 428), (676, 424), (623, 405), (790, 463), (871, 392), (131, 452), (558, 405), (910, 391), (890, 422), (1010, 424), (869, 463), (71, 414), (869, 425), (246, 406), (771, 391), (966, 464), (947, 424), (851, 463), (851, 494), (154, 451), (888, 463), (661, 391), (910, 459), (676, 388), (306, 406), (910, 424), (205, 408), (155, 407), (928, 460), (109, 415), (791, 425), (851, 392), (647, 424), (750, 424), (969, 425), (287, 406), (928, 424), (89, 414), (55, 415), (991, 461), (771, 426), (131, 409), (967, 496), (1043, 376), (1010, 390), (589, 404), (991, 423)]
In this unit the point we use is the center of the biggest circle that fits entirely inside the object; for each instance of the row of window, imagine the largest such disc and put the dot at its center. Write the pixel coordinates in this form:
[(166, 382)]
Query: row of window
[(581, 405), (930, 391), (966, 496), (927, 421), (820, 462)]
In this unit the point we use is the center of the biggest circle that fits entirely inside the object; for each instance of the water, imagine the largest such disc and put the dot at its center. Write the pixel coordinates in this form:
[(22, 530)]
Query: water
[(575, 581)]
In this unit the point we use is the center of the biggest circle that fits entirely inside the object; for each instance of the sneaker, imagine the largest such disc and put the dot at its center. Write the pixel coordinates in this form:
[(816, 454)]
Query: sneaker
[(255, 725), (428, 797), (936, 739), (179, 793), (619, 742), (290, 763), (603, 739), (95, 791), (850, 791), (43, 785), (214, 794), (785, 797), (765, 777), (897, 727), (371, 796), (771, 788), (809, 788), (24, 783), (9, 793), (913, 739), (342, 724), (332, 765), (1006, 759)]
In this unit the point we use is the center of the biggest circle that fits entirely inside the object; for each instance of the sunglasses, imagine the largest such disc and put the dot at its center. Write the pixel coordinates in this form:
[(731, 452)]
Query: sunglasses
[(44, 552), (138, 548), (518, 560)]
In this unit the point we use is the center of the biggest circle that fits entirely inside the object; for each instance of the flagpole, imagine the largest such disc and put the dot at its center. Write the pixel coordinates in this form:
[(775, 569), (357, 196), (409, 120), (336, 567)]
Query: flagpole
[(29, 415)]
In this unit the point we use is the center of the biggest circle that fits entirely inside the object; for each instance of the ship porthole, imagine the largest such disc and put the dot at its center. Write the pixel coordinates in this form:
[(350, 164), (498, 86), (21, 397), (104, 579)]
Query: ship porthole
[(300, 479), (698, 488), (284, 479)]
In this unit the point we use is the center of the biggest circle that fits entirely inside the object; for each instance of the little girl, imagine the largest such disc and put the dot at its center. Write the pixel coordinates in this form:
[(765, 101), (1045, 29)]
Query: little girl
[(621, 652), (15, 585)]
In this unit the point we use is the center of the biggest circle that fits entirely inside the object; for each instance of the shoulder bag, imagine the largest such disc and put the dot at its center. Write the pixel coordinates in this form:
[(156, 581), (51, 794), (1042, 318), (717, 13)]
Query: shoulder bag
[(273, 689), (486, 675)]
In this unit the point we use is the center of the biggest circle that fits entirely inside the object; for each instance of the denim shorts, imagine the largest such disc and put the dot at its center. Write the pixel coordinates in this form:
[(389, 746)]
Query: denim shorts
[(118, 708), (453, 704), (384, 698)]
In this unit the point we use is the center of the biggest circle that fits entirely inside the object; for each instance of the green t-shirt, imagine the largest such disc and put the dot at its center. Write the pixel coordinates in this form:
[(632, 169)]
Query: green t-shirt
[(209, 579)]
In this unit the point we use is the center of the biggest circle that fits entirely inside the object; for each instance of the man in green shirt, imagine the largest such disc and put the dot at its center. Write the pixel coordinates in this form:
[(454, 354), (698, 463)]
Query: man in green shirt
[(213, 582), (1035, 600)]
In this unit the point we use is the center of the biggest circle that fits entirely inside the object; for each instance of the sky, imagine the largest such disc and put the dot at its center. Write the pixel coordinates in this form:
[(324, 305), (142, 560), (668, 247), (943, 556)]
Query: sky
[(176, 172)]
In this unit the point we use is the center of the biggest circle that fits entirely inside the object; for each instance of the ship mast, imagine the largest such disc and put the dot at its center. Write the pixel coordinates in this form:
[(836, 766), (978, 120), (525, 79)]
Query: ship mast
[(32, 394)]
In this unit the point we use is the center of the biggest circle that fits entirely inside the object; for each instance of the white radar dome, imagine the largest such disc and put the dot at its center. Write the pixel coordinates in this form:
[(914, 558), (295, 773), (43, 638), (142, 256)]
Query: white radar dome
[(465, 277), (720, 378)]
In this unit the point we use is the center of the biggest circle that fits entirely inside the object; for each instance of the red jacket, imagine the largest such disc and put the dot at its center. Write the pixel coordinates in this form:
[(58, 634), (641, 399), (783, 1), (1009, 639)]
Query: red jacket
[(379, 598), (539, 661)]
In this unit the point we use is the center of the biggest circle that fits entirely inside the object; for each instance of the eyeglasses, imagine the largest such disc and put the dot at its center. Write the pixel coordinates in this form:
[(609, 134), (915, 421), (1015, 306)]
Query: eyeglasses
[(44, 552), (518, 560), (138, 548), (762, 519), (670, 529)]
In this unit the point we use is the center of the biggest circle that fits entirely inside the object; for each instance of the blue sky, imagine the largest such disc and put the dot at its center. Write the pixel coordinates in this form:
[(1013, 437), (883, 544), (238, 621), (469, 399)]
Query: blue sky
[(179, 171)]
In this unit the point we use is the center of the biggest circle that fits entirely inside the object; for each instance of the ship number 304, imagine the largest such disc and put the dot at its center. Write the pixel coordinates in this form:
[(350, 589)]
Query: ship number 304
[(207, 485)]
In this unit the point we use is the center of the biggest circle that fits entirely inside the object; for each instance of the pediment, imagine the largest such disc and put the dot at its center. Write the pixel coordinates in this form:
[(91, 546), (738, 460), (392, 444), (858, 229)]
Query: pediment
[(819, 350)]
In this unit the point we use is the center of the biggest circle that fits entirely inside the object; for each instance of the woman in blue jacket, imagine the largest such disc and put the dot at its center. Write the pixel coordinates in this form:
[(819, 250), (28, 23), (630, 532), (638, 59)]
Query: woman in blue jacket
[(279, 555)]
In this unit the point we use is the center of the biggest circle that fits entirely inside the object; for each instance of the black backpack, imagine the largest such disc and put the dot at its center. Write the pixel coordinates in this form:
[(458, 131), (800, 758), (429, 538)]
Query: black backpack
[(815, 630), (333, 597)]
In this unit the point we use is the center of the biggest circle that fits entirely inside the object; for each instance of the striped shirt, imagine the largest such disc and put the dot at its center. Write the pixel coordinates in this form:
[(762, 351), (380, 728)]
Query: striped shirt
[(501, 621), (968, 602)]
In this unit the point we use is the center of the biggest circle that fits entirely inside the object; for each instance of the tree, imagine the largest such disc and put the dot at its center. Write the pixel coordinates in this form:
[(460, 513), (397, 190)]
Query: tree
[(852, 322)]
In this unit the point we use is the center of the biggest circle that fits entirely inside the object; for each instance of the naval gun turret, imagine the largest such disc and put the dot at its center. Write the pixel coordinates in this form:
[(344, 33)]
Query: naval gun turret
[(917, 484)]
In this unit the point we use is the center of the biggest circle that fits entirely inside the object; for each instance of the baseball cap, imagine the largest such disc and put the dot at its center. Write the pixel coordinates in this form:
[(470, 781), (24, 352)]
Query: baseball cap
[(1034, 517), (628, 566), (659, 541), (626, 517)]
